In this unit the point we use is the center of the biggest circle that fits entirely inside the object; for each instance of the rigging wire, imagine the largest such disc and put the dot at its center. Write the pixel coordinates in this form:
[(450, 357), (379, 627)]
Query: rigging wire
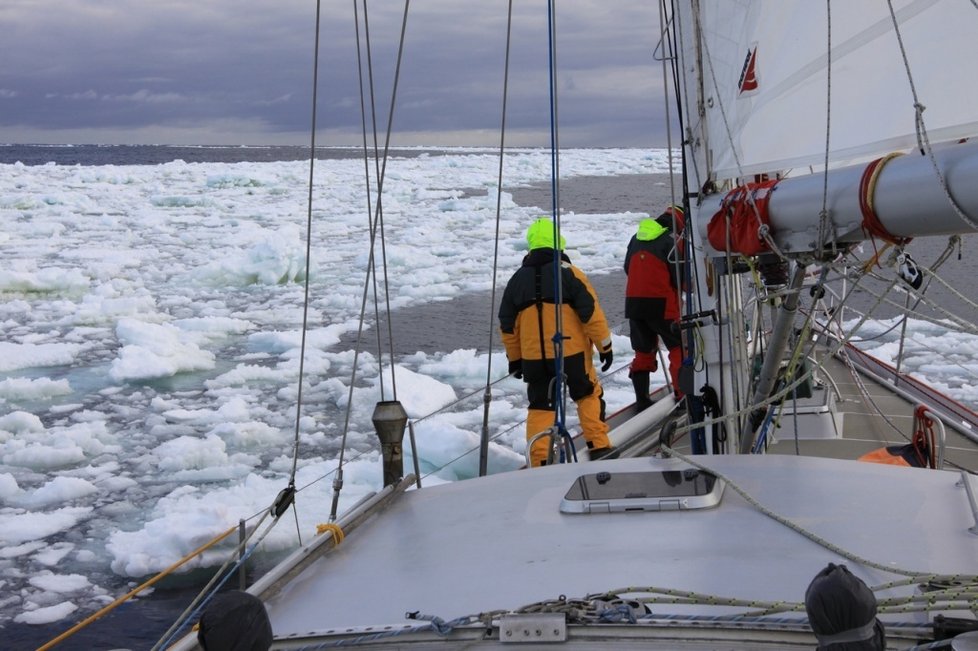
[(686, 271), (558, 393), (338, 480), (867, 397), (306, 281), (823, 215), (951, 320), (686, 111), (379, 215), (689, 236), (919, 343), (732, 337), (379, 219), (366, 161), (683, 238), (790, 386), (487, 396), (668, 54)]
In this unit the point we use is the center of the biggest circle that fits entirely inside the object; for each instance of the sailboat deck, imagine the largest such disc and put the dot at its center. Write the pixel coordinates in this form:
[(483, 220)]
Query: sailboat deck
[(870, 415), (471, 533)]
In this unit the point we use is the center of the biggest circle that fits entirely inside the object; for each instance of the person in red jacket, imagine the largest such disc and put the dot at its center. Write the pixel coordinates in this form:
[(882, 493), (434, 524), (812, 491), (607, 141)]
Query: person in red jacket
[(652, 300), (528, 322)]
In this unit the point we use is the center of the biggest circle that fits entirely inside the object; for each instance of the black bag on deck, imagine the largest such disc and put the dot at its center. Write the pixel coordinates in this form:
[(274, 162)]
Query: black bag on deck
[(842, 612), (235, 621)]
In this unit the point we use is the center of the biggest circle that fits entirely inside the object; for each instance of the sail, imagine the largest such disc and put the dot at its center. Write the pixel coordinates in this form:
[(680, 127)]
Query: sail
[(765, 73)]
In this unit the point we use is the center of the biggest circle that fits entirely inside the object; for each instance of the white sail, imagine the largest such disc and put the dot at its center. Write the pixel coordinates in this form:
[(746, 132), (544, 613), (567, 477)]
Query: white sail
[(766, 72)]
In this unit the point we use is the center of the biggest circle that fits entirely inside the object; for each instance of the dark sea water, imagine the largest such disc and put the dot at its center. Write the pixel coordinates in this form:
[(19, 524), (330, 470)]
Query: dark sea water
[(157, 154), (139, 624)]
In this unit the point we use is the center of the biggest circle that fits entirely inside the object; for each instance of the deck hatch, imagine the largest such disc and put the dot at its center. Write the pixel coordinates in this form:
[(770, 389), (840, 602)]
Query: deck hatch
[(653, 490)]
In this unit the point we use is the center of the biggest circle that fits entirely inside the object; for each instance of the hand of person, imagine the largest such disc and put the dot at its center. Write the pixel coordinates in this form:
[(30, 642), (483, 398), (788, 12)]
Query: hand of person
[(606, 357), (516, 369)]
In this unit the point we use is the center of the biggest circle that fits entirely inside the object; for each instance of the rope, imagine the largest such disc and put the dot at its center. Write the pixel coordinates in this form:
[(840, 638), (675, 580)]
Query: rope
[(209, 592), (864, 392), (868, 398), (717, 94), (842, 340), (867, 189), (791, 386), (923, 140), (334, 529), (112, 606), (962, 297), (922, 343), (818, 540), (178, 624)]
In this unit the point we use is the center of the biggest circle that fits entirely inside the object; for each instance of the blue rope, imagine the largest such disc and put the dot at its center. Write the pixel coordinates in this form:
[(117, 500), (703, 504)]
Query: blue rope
[(435, 623), (195, 614), (617, 614), (762, 433)]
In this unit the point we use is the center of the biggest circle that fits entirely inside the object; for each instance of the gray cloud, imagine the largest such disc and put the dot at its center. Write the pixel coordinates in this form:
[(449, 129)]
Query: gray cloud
[(240, 72)]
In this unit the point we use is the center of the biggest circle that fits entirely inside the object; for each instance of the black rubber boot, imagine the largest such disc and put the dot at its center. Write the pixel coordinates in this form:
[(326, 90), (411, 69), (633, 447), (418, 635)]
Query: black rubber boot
[(602, 453), (640, 380)]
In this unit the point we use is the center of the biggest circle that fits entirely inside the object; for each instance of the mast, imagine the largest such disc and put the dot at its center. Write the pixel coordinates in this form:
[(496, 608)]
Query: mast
[(722, 350), (775, 127)]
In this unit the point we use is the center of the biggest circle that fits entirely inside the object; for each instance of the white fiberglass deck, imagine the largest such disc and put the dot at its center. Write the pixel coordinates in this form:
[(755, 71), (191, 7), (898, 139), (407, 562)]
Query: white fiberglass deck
[(501, 542)]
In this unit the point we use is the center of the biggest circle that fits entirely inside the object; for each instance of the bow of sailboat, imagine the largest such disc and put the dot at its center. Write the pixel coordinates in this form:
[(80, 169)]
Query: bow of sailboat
[(793, 202)]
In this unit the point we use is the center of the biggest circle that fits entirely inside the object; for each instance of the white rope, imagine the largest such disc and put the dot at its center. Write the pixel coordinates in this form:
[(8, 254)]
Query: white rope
[(885, 567), (923, 139)]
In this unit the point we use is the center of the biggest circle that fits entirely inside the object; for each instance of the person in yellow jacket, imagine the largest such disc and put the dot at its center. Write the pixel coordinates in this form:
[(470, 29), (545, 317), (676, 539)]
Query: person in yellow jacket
[(527, 320)]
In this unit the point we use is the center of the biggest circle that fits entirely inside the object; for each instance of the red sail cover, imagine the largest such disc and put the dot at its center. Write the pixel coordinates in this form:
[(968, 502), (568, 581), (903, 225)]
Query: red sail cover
[(746, 208)]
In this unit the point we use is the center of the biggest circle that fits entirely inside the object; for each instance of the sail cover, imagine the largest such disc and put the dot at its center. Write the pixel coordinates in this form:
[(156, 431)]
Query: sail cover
[(766, 79)]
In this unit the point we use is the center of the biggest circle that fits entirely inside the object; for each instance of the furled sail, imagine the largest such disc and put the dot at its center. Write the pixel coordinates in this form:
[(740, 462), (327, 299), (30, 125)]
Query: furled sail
[(765, 73)]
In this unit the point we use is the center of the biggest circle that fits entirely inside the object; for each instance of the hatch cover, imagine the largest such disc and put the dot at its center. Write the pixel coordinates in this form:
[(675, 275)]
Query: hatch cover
[(652, 490)]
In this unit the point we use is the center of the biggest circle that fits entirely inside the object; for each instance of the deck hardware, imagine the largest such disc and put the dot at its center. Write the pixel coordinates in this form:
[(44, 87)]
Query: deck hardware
[(966, 482), (527, 629)]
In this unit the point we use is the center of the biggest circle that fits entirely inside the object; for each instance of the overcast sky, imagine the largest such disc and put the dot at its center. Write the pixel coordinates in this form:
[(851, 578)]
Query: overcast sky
[(241, 72)]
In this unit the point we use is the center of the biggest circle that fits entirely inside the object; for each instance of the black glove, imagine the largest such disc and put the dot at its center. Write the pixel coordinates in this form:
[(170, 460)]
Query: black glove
[(516, 369), (606, 357)]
